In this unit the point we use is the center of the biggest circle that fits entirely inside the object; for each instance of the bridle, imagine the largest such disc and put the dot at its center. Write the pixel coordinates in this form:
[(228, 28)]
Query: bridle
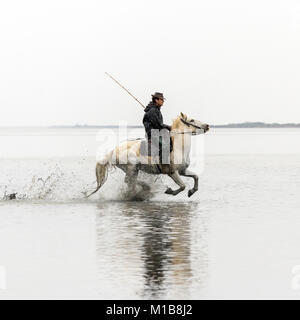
[(189, 125)]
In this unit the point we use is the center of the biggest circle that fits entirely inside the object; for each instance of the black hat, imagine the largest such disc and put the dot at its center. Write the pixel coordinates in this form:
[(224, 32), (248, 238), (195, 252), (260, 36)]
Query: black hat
[(158, 95)]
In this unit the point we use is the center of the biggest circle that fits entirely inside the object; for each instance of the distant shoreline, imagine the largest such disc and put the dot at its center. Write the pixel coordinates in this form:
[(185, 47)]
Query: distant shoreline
[(257, 125), (244, 125), (230, 125)]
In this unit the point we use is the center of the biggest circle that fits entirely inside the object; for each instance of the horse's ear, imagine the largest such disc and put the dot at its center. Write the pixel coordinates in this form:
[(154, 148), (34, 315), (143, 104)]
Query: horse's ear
[(183, 116)]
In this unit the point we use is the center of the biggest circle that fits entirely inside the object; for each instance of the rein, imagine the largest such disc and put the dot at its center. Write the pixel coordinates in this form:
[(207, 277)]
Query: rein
[(189, 124)]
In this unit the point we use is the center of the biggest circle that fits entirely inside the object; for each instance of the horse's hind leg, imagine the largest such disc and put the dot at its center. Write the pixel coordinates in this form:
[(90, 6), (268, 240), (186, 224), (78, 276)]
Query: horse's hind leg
[(175, 176), (144, 185), (131, 177)]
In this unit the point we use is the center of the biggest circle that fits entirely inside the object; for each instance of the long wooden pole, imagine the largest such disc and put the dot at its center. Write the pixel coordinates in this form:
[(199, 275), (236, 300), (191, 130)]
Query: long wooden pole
[(125, 89)]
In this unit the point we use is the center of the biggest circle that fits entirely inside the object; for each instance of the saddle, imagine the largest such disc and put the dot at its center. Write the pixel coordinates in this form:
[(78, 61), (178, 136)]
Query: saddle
[(153, 150), (156, 156), (145, 149)]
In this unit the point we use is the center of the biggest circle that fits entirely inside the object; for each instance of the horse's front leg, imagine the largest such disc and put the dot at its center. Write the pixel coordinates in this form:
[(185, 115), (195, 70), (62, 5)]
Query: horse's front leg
[(187, 173), (176, 178)]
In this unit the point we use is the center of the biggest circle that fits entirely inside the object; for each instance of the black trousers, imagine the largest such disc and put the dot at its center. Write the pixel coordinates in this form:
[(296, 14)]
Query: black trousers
[(158, 147)]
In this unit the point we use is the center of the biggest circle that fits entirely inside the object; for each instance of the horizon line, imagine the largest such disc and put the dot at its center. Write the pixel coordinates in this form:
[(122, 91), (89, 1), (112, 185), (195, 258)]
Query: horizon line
[(249, 124)]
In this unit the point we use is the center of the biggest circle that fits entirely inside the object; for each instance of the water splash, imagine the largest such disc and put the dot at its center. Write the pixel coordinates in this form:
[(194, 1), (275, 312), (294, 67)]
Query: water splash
[(42, 179), (72, 179), (62, 180)]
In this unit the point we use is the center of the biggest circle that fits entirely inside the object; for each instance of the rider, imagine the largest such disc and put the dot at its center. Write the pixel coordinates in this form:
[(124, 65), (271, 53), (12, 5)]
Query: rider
[(153, 119)]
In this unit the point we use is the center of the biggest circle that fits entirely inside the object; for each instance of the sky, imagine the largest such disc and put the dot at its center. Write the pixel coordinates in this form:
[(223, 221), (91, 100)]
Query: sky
[(216, 61)]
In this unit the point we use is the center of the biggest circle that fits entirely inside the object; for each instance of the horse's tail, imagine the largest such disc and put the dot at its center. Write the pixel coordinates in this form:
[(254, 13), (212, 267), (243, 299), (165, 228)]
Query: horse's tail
[(102, 171)]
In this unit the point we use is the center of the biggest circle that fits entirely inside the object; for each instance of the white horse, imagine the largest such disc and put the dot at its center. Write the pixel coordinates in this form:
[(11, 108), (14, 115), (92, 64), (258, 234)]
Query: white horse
[(128, 158)]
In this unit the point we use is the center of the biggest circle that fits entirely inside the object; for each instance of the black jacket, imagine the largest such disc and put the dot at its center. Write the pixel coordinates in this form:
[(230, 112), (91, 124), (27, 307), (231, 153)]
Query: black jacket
[(153, 119)]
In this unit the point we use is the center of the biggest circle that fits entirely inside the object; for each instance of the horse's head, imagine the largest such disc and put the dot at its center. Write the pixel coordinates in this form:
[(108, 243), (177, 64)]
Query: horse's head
[(188, 125)]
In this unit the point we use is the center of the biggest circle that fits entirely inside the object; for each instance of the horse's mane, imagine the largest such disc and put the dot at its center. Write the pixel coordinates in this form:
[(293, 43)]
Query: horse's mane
[(177, 123)]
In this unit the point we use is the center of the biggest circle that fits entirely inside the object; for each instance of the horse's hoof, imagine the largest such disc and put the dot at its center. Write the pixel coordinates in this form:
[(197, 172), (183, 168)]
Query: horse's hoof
[(12, 196), (190, 193), (169, 191)]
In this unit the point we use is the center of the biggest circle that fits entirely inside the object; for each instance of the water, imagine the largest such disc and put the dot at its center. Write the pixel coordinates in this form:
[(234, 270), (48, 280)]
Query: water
[(238, 237)]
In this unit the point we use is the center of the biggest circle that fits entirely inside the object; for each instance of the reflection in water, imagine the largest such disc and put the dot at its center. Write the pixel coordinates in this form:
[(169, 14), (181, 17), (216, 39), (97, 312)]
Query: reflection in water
[(166, 244), (153, 245), (156, 249)]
